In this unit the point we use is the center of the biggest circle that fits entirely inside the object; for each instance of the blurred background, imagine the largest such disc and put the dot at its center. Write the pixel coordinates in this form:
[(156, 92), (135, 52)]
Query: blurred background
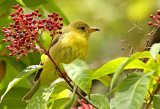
[(123, 24)]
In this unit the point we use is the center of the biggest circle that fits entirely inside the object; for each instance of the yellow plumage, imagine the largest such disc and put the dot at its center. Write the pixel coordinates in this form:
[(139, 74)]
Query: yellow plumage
[(72, 44)]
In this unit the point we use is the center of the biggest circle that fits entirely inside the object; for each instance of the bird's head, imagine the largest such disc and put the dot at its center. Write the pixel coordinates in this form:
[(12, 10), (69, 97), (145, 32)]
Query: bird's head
[(82, 28)]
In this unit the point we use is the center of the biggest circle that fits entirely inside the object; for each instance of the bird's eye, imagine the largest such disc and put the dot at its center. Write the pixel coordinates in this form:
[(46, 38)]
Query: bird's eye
[(83, 28)]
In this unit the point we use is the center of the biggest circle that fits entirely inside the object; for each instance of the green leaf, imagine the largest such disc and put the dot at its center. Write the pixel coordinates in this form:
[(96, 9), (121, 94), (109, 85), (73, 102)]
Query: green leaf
[(132, 91), (59, 87), (59, 103), (60, 91), (108, 68), (21, 2), (19, 65), (137, 64), (156, 101), (79, 73), (69, 105), (112, 104), (135, 56), (155, 49), (151, 62), (40, 98), (25, 73), (106, 80), (111, 67), (13, 99), (99, 101), (10, 74), (113, 90)]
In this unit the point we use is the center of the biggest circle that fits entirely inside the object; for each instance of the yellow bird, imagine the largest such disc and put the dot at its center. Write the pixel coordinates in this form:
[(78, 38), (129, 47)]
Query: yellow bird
[(70, 45)]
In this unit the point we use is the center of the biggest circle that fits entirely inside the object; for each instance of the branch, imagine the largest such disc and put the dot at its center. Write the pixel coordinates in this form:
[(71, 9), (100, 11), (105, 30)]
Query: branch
[(155, 92)]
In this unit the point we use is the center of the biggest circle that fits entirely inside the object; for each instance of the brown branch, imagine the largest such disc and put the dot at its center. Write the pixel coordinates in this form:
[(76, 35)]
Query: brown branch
[(150, 36)]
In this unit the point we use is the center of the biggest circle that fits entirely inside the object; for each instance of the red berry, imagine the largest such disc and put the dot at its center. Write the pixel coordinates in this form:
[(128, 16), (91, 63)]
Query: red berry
[(59, 27), (43, 20), (149, 23), (11, 24), (4, 31), (60, 18), (151, 16), (56, 14), (158, 12), (10, 54), (36, 31), (37, 10), (24, 54), (17, 37), (61, 24), (39, 15), (56, 18), (20, 9), (51, 34), (26, 33), (8, 46), (17, 12), (4, 40), (33, 12), (34, 21), (12, 14), (17, 5), (28, 46), (18, 58), (30, 14), (11, 49), (60, 32), (4, 28), (14, 7), (8, 39), (26, 15)]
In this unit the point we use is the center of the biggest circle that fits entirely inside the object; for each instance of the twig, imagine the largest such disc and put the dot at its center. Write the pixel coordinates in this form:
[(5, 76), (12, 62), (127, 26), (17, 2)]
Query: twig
[(155, 92), (150, 35)]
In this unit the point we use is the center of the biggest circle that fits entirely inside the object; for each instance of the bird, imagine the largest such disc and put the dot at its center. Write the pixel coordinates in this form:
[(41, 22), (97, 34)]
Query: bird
[(70, 45)]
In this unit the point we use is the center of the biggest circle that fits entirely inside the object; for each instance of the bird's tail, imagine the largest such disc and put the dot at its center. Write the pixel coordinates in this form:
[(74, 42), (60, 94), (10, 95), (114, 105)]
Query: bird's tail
[(29, 95)]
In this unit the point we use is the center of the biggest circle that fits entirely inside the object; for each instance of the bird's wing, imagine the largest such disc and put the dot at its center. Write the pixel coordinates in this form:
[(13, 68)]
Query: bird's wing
[(55, 40), (38, 73)]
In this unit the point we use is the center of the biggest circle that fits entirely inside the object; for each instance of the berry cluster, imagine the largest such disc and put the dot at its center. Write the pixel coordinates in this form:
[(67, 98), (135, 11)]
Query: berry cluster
[(155, 18), (23, 33)]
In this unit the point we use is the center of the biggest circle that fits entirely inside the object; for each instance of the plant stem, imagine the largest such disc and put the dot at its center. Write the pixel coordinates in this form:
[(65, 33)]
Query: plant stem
[(149, 38), (155, 92), (62, 74)]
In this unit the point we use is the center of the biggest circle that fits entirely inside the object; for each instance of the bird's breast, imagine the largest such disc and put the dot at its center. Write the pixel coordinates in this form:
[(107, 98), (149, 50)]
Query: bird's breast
[(70, 48)]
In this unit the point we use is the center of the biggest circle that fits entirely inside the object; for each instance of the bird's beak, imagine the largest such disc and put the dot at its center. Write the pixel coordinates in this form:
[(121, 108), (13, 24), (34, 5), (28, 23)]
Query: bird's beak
[(92, 29)]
